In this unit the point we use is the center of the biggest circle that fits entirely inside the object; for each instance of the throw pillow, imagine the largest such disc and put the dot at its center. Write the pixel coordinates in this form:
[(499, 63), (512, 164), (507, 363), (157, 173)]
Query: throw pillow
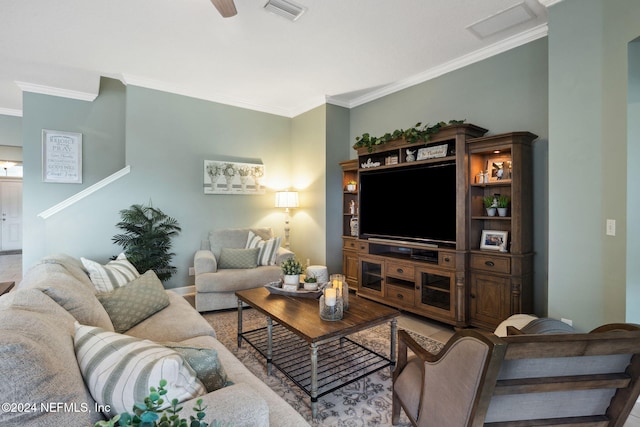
[(119, 369), (238, 258), (137, 300), (268, 248), (112, 275), (205, 363)]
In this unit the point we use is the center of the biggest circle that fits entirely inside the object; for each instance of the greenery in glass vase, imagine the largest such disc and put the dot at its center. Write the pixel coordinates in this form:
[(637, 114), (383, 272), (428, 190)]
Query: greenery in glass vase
[(147, 239), (291, 266)]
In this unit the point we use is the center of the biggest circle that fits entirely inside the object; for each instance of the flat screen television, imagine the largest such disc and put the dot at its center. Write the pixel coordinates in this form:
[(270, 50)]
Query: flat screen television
[(413, 203)]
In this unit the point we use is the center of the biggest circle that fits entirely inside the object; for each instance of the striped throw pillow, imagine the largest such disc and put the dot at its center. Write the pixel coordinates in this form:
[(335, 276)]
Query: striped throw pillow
[(268, 248), (119, 369), (113, 275)]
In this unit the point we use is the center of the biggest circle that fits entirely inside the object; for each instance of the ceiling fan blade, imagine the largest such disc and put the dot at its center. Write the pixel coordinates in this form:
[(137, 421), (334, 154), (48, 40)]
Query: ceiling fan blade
[(226, 7)]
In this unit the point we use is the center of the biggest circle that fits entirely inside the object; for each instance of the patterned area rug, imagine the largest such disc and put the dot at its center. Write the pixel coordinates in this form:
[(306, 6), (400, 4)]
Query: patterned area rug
[(366, 402)]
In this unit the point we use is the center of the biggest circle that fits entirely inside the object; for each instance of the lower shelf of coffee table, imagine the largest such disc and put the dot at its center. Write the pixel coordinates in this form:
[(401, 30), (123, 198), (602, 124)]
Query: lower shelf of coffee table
[(340, 362)]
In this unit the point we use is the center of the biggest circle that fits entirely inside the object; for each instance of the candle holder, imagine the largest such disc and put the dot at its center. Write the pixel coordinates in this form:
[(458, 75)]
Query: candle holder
[(339, 282), (331, 312)]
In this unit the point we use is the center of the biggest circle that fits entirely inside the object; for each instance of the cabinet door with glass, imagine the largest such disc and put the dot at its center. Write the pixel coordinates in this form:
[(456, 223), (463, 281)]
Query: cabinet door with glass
[(371, 276), (435, 293)]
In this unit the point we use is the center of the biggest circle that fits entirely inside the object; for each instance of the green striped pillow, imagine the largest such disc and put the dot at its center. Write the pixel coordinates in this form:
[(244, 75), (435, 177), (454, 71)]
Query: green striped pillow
[(268, 248), (114, 274), (119, 369)]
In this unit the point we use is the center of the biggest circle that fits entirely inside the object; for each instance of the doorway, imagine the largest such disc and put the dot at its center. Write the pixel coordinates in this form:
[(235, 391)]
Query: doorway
[(11, 214)]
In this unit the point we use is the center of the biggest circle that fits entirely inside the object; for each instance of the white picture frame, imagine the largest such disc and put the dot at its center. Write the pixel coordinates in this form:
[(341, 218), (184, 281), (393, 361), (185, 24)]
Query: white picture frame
[(433, 152), (225, 177), (61, 157), (495, 240)]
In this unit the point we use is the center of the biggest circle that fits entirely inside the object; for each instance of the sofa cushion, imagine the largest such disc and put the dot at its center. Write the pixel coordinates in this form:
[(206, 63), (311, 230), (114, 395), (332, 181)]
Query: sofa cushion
[(238, 258), (205, 362), (38, 365), (114, 274), (547, 325), (78, 298), (130, 304), (236, 280), (268, 248), (176, 322), (119, 369)]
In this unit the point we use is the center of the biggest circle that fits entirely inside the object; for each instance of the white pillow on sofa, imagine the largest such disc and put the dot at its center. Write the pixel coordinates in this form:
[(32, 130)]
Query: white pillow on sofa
[(114, 274), (119, 369), (268, 248)]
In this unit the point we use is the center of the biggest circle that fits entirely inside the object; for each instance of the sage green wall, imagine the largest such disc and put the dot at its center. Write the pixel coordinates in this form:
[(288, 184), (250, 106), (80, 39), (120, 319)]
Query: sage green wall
[(308, 150), (11, 131), (588, 69), (338, 150), (633, 178), (81, 229), (167, 139), (504, 93)]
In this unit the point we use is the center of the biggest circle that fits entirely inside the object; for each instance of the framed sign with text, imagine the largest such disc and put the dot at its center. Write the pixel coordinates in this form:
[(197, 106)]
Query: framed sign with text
[(61, 157)]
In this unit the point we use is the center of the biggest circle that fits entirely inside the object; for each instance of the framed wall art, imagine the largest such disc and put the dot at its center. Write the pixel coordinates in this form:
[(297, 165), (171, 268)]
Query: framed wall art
[(499, 168), (494, 240), (61, 157), (224, 177)]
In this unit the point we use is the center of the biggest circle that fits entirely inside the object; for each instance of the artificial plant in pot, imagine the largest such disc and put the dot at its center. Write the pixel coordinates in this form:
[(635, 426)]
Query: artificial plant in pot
[(147, 239), (490, 205), (502, 202), (291, 269)]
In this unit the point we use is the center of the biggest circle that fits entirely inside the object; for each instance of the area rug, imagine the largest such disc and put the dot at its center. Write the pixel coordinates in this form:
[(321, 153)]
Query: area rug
[(366, 402)]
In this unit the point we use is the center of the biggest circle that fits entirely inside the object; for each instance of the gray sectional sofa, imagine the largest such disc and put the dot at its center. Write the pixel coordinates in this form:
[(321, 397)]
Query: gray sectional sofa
[(41, 378)]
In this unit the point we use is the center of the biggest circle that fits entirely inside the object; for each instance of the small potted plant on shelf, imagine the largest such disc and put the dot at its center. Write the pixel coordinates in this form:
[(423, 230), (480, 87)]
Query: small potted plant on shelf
[(291, 269), (490, 205), (351, 186), (502, 202)]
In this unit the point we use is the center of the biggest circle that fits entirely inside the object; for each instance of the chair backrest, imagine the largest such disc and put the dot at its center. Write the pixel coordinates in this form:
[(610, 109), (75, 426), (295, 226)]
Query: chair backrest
[(565, 379)]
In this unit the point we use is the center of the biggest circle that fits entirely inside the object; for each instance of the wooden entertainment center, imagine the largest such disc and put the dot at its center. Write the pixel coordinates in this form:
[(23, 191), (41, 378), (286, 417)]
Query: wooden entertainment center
[(460, 284)]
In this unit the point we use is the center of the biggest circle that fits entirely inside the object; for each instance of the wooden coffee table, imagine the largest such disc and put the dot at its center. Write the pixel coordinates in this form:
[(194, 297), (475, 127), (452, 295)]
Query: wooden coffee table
[(316, 354)]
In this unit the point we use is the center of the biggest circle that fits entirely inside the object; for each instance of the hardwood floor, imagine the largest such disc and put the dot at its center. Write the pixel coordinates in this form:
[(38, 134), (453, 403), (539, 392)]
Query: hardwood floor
[(11, 270)]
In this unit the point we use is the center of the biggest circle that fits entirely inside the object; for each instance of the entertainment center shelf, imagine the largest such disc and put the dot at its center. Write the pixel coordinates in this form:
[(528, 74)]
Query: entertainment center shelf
[(454, 278)]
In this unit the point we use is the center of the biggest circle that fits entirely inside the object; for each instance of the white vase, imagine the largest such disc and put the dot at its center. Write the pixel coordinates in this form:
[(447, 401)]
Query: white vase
[(491, 211), (292, 279), (502, 211)]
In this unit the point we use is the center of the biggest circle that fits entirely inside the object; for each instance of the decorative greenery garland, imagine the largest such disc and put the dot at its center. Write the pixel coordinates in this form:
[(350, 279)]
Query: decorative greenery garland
[(411, 135)]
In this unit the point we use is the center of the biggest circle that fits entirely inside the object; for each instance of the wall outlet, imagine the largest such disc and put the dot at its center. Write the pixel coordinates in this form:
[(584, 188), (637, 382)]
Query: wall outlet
[(611, 227), (192, 271), (567, 321)]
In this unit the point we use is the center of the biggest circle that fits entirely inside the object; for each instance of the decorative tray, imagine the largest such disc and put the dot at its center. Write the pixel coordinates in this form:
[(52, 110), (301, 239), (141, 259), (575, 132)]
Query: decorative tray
[(276, 288)]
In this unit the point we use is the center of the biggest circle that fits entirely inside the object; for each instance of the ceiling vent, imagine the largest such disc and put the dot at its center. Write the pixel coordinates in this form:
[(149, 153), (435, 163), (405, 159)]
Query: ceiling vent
[(285, 8), (502, 21)]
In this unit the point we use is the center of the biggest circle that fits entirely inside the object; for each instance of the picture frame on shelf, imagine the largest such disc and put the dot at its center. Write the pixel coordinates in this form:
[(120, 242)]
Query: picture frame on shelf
[(499, 169), (495, 240), (432, 152)]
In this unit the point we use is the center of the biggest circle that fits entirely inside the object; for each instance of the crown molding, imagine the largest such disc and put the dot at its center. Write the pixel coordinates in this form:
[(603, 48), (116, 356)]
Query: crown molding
[(56, 91), (10, 112), (461, 62)]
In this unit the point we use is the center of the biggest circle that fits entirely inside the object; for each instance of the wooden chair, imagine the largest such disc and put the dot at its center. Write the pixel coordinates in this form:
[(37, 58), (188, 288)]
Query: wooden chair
[(520, 380)]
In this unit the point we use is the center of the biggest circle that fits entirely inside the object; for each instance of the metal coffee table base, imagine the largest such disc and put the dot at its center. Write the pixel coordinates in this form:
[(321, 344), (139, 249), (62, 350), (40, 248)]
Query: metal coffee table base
[(318, 368)]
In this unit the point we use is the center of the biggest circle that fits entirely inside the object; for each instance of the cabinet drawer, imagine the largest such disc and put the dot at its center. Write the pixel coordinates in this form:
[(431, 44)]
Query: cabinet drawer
[(447, 259), (400, 270), (350, 245), (363, 247), (399, 294), (491, 263)]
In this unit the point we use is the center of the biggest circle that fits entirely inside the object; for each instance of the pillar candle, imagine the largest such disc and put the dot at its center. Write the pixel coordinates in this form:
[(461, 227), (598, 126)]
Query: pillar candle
[(330, 297)]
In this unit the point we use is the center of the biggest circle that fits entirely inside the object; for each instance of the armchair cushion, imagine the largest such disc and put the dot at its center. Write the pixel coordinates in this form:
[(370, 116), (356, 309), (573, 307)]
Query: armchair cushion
[(239, 258), (268, 248)]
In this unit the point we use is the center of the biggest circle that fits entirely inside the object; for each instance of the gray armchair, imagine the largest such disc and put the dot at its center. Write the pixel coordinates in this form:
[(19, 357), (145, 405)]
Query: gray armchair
[(568, 379), (216, 283)]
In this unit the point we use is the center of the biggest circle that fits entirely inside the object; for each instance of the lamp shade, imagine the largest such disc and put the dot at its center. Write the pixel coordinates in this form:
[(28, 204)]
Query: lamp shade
[(287, 199)]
